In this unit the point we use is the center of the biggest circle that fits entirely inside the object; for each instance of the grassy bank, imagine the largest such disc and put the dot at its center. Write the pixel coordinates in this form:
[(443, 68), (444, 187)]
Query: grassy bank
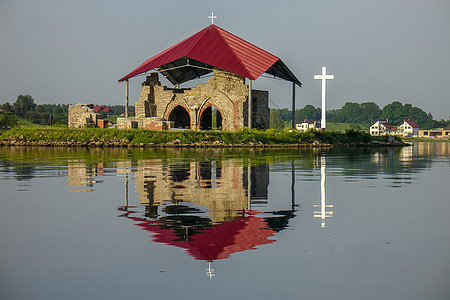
[(121, 137)]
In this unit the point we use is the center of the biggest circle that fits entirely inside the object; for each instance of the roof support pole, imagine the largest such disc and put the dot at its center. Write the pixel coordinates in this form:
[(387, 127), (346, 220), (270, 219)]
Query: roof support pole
[(293, 105), (249, 104), (127, 88)]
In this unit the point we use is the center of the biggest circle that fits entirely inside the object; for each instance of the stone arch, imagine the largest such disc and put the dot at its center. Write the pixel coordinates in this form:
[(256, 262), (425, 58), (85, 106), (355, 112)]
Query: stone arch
[(221, 109), (180, 116), (206, 117)]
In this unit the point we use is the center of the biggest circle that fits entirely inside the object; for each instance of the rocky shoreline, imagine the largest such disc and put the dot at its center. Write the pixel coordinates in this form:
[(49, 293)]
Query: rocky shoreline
[(21, 141)]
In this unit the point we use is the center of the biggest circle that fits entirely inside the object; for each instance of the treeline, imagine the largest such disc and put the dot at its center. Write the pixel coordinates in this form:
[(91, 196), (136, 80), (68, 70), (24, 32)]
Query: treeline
[(365, 114), (42, 114)]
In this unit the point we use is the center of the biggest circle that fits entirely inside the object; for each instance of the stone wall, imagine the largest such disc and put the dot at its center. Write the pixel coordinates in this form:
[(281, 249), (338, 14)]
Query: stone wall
[(225, 91), (81, 115)]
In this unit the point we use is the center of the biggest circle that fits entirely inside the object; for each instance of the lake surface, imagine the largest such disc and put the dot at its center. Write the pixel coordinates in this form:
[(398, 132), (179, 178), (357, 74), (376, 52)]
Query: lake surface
[(353, 223)]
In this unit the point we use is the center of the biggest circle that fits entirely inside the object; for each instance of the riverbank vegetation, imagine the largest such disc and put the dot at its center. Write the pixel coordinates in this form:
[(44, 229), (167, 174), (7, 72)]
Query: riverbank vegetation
[(26, 113), (135, 137)]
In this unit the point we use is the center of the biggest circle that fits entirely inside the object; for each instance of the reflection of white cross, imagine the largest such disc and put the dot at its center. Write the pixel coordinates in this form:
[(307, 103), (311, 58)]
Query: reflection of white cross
[(324, 78), (212, 17), (323, 213), (210, 271)]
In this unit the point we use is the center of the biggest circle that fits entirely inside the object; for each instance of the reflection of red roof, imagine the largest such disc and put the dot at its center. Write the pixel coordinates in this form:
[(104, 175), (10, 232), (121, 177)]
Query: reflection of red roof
[(217, 48), (216, 242)]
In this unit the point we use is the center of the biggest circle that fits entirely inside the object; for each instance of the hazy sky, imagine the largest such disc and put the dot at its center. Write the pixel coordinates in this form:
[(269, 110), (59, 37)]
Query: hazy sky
[(62, 51)]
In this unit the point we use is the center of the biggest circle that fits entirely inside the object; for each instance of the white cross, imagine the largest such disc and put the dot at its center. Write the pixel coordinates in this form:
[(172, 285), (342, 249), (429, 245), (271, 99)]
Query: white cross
[(212, 17), (324, 78)]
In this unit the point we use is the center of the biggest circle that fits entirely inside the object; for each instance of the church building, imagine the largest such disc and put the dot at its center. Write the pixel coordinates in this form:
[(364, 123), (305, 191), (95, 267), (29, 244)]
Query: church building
[(222, 102)]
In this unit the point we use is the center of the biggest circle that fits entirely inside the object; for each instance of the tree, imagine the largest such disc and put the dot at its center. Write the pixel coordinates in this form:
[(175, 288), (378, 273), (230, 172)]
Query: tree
[(7, 121), (23, 104), (275, 119), (7, 107), (371, 112), (308, 112), (393, 112), (352, 113), (286, 114)]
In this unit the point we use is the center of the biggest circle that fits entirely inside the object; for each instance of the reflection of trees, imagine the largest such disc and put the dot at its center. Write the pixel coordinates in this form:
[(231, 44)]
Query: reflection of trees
[(385, 160), (357, 161)]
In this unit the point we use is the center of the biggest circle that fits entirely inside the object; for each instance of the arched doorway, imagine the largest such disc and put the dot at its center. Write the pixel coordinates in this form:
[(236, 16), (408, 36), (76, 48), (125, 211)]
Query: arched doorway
[(211, 119), (180, 117)]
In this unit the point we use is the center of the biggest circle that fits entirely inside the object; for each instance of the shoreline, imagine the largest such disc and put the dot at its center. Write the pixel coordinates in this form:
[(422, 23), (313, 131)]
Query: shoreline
[(107, 138)]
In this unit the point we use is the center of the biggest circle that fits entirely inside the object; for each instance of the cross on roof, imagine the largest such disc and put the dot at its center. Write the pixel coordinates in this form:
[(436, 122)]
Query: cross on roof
[(212, 17)]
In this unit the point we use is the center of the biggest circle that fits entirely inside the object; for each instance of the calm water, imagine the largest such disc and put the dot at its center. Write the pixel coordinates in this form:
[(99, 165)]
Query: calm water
[(225, 224)]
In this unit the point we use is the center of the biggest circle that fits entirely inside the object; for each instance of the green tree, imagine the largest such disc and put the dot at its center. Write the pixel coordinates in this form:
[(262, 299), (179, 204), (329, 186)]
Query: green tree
[(286, 114), (275, 119), (308, 112), (23, 104), (371, 112), (393, 112), (7, 121)]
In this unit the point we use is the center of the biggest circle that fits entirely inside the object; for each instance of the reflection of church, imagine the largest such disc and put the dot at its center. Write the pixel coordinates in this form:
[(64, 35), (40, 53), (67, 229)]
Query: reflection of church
[(221, 187), (81, 175), (207, 208)]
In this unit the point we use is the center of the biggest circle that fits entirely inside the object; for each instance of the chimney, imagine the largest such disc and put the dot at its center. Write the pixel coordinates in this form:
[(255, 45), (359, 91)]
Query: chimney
[(387, 121)]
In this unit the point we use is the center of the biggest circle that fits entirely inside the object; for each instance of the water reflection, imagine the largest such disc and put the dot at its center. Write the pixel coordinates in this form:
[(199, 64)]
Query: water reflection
[(323, 213), (211, 209), (208, 208)]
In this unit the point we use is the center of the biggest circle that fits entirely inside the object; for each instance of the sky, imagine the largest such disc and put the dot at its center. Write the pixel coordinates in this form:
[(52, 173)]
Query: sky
[(69, 52)]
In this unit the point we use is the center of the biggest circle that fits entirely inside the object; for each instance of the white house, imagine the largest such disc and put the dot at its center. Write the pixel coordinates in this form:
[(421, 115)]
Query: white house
[(307, 124), (408, 128), (382, 127)]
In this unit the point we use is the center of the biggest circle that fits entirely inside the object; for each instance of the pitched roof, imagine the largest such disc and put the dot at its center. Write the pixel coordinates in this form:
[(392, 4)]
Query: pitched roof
[(389, 126), (411, 123), (214, 47), (97, 108)]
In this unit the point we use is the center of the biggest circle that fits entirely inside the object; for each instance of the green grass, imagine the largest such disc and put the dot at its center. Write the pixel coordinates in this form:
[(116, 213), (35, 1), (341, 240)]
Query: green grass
[(137, 136), (27, 123)]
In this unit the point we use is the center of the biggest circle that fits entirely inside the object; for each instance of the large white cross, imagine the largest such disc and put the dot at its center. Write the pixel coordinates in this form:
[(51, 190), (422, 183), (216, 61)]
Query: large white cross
[(324, 78), (212, 17)]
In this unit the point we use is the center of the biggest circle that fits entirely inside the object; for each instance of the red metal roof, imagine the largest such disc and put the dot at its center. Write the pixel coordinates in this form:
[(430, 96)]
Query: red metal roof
[(412, 123), (218, 48)]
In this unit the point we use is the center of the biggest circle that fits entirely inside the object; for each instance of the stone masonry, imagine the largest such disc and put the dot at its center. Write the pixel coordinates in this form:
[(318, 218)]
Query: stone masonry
[(81, 115), (160, 107)]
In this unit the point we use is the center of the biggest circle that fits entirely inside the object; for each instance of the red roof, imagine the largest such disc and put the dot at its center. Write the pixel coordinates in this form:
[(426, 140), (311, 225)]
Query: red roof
[(411, 123), (97, 108), (214, 47)]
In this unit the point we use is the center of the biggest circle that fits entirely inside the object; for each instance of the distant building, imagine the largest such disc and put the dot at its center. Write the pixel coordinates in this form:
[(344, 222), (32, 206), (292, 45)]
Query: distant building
[(443, 133), (408, 128), (382, 127), (307, 125)]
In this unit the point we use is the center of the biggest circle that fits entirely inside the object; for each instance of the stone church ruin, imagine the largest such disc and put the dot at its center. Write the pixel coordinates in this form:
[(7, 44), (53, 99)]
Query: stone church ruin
[(225, 102), (219, 104)]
